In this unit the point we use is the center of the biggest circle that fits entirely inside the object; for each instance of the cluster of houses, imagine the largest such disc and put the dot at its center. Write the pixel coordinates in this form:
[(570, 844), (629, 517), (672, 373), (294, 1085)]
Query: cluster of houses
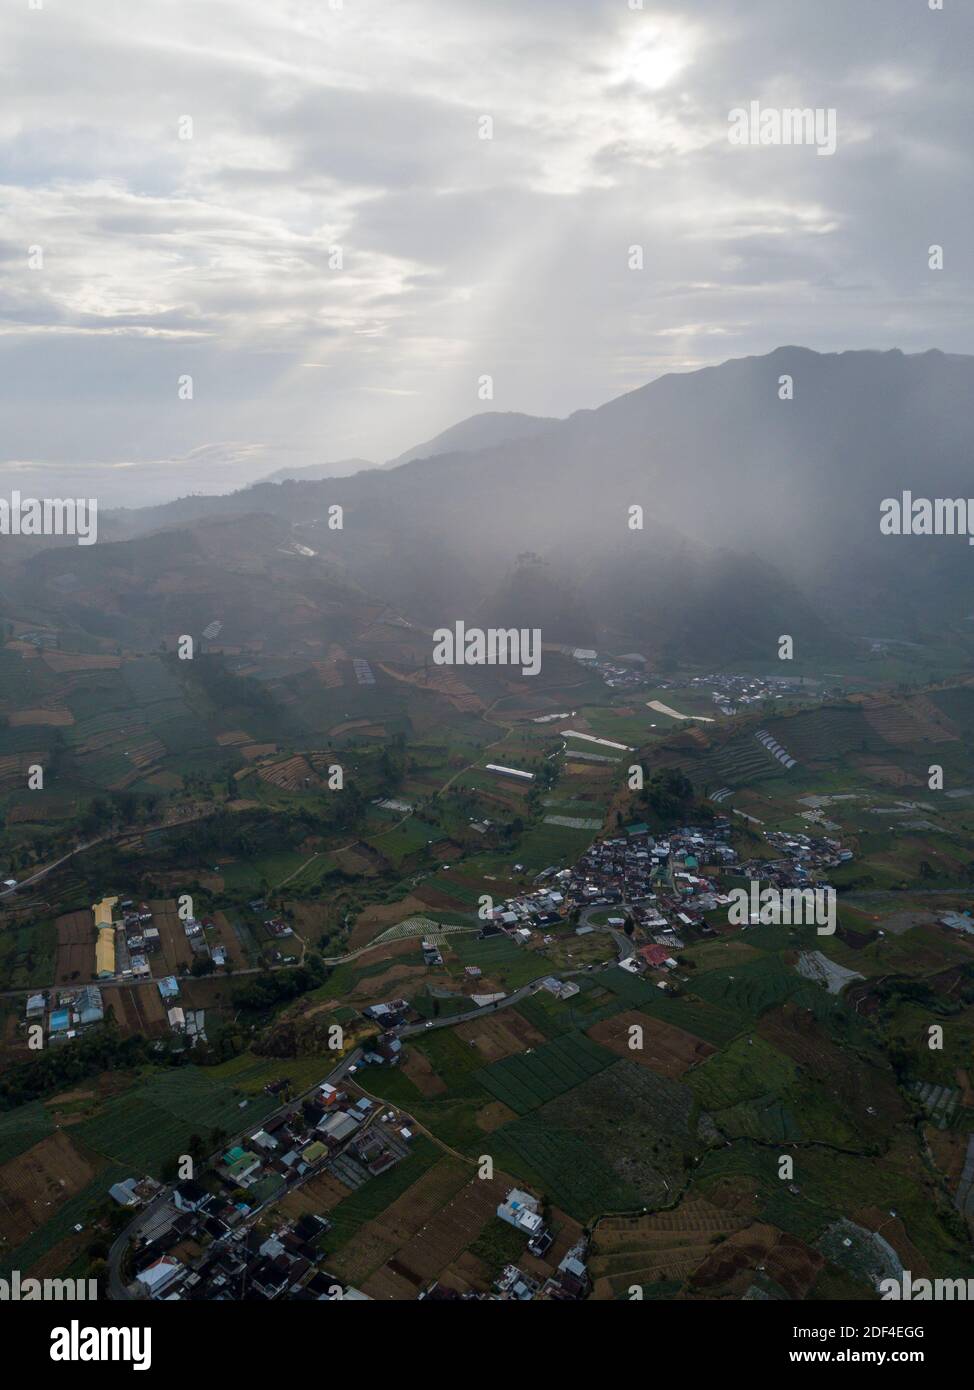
[(661, 890), (353, 1136), (187, 1022), (535, 910), (239, 1262), (626, 672), (136, 941), (69, 1011), (296, 1142), (810, 851), (733, 692), (125, 938), (196, 936), (569, 1282), (656, 884), (805, 862)]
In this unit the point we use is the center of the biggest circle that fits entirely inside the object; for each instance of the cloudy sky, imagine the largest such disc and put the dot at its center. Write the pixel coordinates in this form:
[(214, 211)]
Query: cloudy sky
[(317, 127)]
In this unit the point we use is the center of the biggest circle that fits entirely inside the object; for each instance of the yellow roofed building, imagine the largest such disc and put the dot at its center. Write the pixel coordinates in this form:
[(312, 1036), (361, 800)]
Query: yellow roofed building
[(103, 912), (105, 945), (105, 952)]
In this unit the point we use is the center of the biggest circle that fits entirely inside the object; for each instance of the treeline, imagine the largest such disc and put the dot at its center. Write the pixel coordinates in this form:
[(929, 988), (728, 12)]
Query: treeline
[(121, 807), (269, 990), (668, 796), (62, 1066), (244, 834), (297, 1038), (209, 672)]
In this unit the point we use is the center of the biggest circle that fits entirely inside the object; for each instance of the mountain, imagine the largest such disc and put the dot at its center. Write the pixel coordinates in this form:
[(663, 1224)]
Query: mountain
[(760, 515), (315, 472), (484, 431)]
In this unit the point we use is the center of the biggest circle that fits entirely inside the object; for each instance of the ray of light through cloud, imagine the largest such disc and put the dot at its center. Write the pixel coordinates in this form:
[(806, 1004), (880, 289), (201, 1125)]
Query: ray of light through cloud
[(294, 203)]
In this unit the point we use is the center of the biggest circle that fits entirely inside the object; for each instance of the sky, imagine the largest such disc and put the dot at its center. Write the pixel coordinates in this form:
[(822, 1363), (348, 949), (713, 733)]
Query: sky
[(292, 203)]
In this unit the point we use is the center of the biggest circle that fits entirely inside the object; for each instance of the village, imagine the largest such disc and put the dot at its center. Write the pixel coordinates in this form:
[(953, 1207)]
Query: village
[(657, 895), (220, 1237), (229, 1231)]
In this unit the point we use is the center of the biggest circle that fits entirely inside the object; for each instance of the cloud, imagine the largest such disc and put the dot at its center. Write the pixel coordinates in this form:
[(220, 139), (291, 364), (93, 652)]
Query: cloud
[(336, 205)]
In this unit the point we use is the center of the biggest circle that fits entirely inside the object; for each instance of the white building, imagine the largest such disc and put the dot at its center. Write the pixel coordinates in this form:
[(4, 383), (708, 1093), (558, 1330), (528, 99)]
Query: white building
[(520, 1210)]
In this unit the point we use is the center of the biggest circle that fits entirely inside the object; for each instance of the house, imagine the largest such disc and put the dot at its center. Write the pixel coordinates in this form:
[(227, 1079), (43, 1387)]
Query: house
[(515, 1284), (242, 1169), (60, 1021), (89, 1005), (957, 921), (521, 1210), (189, 1195), (169, 987), (561, 989), (124, 1193), (338, 1127), (655, 956), (36, 1005), (160, 1276), (390, 1048), (389, 1013)]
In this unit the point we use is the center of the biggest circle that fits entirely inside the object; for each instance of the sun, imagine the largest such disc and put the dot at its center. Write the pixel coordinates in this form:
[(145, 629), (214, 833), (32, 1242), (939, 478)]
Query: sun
[(651, 59)]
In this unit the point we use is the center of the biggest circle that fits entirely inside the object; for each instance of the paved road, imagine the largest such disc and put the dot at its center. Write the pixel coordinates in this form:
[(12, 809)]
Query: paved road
[(43, 872), (623, 945), (122, 834)]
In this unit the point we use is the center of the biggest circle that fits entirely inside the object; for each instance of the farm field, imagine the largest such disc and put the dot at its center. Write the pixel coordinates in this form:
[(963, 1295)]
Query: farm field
[(664, 1049), (664, 1247), (39, 1179), (667, 1150), (156, 1117), (376, 1241), (368, 1202), (528, 1080)]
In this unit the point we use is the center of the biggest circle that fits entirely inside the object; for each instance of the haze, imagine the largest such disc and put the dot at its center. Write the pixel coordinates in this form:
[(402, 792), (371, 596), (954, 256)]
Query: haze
[(358, 128)]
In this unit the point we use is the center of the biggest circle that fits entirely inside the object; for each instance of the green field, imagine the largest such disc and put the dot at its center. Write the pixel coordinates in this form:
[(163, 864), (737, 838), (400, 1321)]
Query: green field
[(561, 1167), (154, 1120), (528, 1080)]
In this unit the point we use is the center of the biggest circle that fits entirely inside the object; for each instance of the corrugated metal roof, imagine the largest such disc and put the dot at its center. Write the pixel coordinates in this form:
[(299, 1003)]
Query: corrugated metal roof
[(105, 951)]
